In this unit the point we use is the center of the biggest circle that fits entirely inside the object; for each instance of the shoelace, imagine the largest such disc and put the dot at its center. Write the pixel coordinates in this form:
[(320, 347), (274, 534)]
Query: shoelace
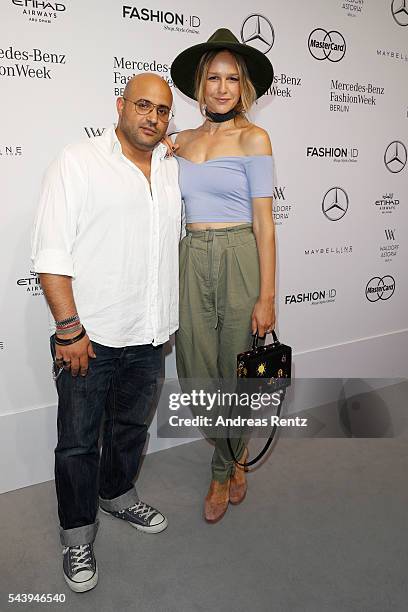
[(143, 510), (81, 557)]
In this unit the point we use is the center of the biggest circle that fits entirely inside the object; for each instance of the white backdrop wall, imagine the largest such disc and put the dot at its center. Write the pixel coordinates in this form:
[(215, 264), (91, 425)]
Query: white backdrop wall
[(337, 116)]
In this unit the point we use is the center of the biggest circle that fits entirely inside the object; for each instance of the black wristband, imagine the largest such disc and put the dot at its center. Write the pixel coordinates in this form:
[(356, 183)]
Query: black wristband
[(68, 341)]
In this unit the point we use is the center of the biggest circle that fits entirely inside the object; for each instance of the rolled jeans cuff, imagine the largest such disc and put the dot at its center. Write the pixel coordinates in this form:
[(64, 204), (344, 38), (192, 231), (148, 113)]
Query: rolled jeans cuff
[(120, 503), (78, 536)]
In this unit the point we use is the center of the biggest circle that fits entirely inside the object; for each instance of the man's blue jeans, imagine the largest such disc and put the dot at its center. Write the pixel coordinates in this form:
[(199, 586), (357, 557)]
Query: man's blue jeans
[(120, 383)]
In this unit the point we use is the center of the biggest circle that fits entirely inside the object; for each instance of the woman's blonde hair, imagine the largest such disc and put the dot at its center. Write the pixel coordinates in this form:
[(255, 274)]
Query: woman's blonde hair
[(248, 93)]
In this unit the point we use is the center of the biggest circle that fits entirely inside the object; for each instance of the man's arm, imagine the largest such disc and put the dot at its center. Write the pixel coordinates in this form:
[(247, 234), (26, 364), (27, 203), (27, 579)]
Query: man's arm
[(58, 292)]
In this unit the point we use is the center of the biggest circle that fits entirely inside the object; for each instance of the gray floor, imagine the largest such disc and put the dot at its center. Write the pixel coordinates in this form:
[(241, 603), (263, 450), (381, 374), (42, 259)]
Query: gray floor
[(323, 528)]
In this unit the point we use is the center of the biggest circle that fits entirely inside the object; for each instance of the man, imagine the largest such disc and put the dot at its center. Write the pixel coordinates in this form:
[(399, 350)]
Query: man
[(105, 244)]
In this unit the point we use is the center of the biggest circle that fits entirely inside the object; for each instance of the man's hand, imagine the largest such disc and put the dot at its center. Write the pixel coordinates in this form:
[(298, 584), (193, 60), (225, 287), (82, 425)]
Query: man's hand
[(75, 356)]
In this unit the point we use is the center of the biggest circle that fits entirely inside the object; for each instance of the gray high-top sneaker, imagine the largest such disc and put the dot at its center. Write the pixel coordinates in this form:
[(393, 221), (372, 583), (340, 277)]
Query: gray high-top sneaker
[(80, 568)]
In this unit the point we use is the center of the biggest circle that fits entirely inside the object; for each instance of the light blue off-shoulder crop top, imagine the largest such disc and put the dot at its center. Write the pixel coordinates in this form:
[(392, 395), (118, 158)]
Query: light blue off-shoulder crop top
[(221, 189)]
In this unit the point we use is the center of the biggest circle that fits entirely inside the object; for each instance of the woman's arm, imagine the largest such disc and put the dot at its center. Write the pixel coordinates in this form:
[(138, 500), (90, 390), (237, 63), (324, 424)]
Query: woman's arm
[(263, 315)]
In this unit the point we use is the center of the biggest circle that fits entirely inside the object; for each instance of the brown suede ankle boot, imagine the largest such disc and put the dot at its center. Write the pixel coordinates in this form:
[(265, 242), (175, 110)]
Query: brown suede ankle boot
[(216, 501), (238, 485)]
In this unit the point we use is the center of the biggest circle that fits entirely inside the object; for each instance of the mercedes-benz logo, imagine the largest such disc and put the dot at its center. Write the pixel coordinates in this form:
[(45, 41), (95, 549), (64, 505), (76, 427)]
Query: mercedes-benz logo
[(399, 11), (335, 203), (258, 31), (379, 288), (327, 45), (395, 156)]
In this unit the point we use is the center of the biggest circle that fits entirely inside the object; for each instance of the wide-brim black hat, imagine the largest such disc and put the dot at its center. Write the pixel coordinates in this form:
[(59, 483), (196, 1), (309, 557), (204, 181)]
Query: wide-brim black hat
[(183, 68)]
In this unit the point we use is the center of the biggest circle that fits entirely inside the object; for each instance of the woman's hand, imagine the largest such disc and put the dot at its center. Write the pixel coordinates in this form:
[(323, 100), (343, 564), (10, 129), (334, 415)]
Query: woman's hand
[(263, 317), (171, 147)]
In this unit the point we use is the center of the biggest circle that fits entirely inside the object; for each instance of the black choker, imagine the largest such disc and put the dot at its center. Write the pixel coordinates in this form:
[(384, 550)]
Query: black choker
[(221, 117)]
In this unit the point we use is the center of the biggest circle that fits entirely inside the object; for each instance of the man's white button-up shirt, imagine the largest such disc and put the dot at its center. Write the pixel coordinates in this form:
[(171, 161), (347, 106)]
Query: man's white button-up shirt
[(100, 223)]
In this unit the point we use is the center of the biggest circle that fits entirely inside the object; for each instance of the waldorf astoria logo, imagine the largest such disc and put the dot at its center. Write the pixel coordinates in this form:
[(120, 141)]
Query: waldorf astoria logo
[(313, 297), (92, 131), (353, 8), (31, 284), (170, 20), (389, 250), (38, 11), (324, 45), (282, 209), (380, 288)]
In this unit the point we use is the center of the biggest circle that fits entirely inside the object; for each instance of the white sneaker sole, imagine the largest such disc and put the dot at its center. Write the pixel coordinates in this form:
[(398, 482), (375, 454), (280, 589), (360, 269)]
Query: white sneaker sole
[(82, 587), (153, 529)]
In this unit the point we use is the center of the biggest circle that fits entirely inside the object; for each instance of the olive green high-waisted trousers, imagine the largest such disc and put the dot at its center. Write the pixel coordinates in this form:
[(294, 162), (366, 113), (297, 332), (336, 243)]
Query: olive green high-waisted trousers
[(219, 285)]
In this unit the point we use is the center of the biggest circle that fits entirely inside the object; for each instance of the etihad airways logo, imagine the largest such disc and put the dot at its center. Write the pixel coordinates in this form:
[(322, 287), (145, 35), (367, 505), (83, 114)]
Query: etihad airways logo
[(38, 11)]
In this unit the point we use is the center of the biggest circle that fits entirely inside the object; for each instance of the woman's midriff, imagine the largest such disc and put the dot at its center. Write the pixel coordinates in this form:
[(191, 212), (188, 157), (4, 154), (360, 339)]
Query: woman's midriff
[(218, 225)]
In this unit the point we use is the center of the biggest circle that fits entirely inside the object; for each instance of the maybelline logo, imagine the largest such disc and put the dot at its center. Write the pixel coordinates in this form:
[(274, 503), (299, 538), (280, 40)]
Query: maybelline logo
[(337, 154), (399, 11), (317, 296), (353, 93), (91, 132), (337, 250), (257, 31), (380, 288), (11, 151), (124, 69), (389, 250), (32, 284), (40, 12), (401, 56), (172, 21), (352, 7), (395, 156), (335, 203), (281, 210), (327, 45), (17, 69), (387, 203)]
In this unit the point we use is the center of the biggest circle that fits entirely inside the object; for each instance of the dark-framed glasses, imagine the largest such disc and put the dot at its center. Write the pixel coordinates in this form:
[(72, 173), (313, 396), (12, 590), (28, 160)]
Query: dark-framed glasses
[(144, 107)]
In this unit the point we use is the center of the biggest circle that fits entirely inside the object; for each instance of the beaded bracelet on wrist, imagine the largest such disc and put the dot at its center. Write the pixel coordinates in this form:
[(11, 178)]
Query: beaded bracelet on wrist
[(68, 321), (68, 330)]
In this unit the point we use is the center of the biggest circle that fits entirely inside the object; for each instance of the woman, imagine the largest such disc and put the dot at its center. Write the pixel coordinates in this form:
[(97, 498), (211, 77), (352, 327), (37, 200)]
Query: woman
[(227, 258)]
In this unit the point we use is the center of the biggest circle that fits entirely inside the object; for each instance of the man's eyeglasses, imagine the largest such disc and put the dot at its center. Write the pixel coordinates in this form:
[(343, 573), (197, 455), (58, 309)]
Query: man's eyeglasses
[(144, 107)]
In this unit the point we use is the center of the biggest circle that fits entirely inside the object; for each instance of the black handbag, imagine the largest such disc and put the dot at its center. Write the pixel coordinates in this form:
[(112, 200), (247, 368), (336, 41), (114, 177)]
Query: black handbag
[(269, 368)]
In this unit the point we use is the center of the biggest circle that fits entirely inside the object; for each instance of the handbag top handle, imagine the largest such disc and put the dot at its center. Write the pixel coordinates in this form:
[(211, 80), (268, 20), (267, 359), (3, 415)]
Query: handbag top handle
[(256, 338)]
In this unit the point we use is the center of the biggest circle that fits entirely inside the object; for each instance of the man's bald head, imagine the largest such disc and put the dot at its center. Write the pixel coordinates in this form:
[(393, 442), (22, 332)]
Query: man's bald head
[(143, 130), (149, 82)]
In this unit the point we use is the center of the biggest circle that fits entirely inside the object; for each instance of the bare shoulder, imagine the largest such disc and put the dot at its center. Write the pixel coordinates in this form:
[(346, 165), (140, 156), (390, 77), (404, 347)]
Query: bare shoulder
[(185, 136), (256, 141)]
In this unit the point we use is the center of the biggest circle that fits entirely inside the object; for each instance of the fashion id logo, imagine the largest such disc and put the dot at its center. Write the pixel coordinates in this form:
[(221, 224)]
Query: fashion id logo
[(37, 11), (314, 297), (336, 154), (171, 21)]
